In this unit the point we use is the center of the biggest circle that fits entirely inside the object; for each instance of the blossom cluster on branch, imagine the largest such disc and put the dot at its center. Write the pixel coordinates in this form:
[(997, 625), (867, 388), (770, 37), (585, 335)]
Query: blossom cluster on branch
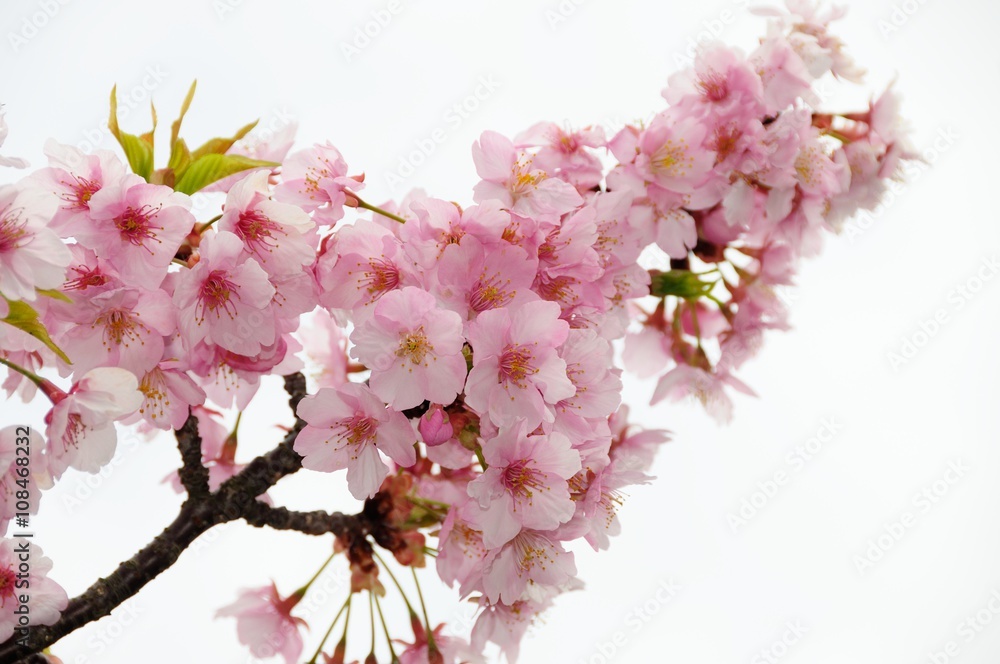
[(463, 357)]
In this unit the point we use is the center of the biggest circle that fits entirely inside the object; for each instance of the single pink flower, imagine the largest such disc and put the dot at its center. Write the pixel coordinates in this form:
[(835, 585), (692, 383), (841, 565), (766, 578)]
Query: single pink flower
[(324, 340), (525, 567), (505, 625), (511, 178), (517, 372), (81, 430), (525, 485), (138, 227), (347, 428), (434, 427), (265, 624), (360, 264), (46, 598), (226, 298), (31, 255), (473, 277), (64, 190), (120, 328), (413, 348), (168, 393), (564, 152), (461, 552), (277, 235), (315, 179), (673, 154)]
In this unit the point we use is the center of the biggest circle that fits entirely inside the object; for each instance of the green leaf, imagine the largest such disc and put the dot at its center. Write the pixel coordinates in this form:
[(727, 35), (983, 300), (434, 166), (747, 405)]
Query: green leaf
[(222, 145), (175, 128), (205, 170), (680, 283), (138, 150), (24, 318), (54, 294)]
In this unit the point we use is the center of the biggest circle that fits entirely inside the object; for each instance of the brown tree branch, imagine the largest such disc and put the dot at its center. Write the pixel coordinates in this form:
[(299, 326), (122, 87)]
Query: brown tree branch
[(193, 473), (235, 499)]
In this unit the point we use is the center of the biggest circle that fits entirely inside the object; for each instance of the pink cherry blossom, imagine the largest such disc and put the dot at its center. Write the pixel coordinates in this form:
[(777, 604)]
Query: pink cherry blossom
[(525, 485), (137, 227), (517, 372), (452, 650), (472, 278), (276, 235), (168, 393), (226, 298), (316, 180), (524, 566), (265, 624), (673, 154), (81, 430), (564, 152), (31, 255), (46, 599), (347, 428), (506, 625), (511, 178), (414, 349), (123, 327)]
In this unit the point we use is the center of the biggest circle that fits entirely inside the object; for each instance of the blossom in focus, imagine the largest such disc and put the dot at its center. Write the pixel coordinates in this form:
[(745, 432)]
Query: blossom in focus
[(80, 427), (348, 427)]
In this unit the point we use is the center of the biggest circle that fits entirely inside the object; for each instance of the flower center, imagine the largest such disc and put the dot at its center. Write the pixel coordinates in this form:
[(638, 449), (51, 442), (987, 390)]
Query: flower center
[(672, 159), (153, 387), (713, 86), (257, 231), (86, 277), (7, 584), (120, 326), (515, 365), (81, 191), (135, 225), (490, 293), (380, 277), (359, 429), (415, 346), (525, 180), (520, 480), (216, 294), (12, 229)]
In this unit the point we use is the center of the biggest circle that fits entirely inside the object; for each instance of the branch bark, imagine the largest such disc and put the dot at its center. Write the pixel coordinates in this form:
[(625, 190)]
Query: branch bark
[(235, 499)]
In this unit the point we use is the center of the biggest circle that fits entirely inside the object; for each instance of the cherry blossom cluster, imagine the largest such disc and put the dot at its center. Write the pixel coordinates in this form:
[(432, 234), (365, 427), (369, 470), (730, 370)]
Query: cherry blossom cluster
[(463, 358)]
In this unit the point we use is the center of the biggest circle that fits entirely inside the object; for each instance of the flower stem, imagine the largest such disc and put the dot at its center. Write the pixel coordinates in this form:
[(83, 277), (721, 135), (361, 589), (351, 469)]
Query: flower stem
[(378, 210), (302, 591), (385, 628), (345, 605), (431, 646)]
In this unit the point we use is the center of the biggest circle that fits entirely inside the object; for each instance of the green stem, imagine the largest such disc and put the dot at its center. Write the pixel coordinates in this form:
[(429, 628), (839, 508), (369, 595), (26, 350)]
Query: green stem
[(482, 459), (423, 607), (396, 582), (33, 377), (208, 224), (346, 605), (384, 213), (302, 591), (385, 628)]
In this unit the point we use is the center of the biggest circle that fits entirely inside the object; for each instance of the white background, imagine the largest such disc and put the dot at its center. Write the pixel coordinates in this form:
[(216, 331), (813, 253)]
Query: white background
[(795, 560)]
